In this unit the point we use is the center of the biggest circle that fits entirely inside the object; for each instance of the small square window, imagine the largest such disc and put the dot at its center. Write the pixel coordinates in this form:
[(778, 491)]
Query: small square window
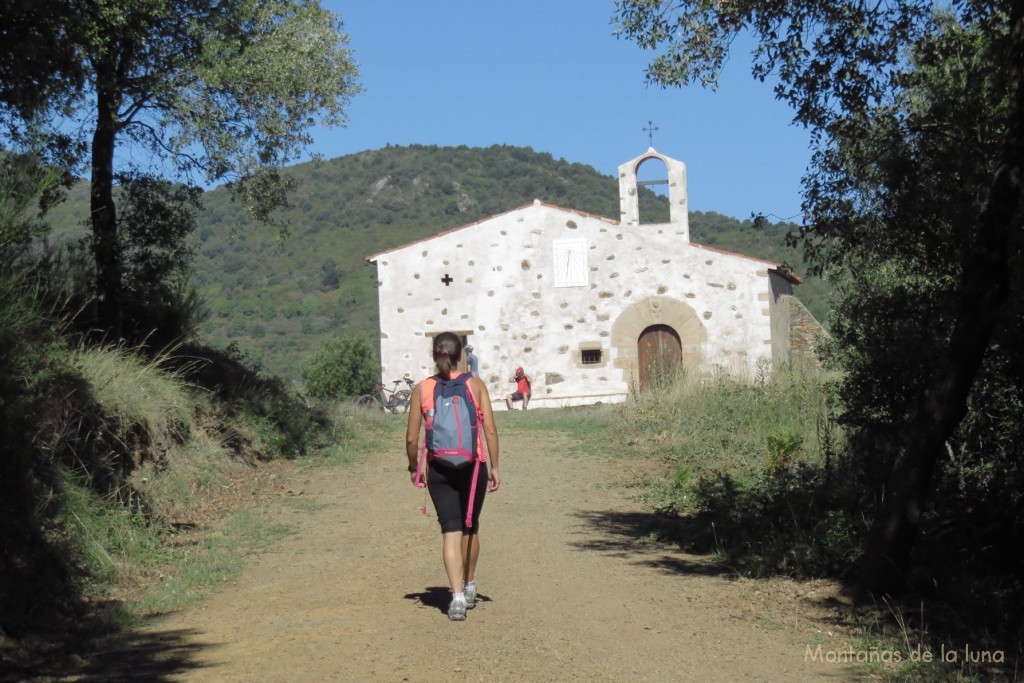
[(591, 356)]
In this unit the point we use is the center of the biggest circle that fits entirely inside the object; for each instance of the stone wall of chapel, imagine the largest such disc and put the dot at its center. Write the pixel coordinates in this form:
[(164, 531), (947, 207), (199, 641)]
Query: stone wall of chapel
[(803, 334), (501, 293), (779, 312)]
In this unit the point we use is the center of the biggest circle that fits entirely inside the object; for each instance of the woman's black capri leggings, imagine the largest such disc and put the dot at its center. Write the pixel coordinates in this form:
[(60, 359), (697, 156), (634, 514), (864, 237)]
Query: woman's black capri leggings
[(449, 489)]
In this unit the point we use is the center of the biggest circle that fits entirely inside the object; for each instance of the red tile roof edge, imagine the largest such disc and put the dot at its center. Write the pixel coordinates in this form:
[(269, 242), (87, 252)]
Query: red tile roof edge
[(372, 258), (777, 267)]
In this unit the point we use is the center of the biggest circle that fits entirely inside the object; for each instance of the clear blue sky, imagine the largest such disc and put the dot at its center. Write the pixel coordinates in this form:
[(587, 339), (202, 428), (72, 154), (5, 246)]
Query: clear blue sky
[(551, 75)]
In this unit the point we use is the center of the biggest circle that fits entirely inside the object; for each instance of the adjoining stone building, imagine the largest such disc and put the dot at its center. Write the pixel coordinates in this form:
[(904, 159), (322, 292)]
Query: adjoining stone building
[(593, 308)]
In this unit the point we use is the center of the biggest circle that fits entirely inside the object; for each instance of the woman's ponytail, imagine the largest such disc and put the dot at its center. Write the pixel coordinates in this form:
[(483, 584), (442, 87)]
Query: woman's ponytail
[(447, 353)]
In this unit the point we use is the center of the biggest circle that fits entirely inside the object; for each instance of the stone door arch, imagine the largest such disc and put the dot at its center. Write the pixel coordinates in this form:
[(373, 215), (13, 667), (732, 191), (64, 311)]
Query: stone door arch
[(652, 312), (659, 353)]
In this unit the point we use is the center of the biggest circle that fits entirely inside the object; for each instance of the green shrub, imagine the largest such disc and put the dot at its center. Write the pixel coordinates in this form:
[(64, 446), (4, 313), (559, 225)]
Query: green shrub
[(783, 450), (750, 463), (344, 367)]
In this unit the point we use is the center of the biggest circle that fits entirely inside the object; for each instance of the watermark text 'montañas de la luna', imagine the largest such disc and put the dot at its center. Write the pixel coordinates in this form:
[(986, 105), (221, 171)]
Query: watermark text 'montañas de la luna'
[(873, 655)]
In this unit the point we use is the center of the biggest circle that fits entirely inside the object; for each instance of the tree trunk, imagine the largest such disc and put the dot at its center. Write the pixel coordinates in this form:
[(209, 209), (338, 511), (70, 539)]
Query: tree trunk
[(106, 246), (942, 404)]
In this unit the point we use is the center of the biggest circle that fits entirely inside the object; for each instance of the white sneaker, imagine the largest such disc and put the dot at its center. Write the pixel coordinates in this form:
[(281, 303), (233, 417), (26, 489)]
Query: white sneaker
[(457, 610), (470, 591)]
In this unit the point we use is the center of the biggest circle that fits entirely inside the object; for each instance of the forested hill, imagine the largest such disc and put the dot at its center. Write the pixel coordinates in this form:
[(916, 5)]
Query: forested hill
[(281, 299)]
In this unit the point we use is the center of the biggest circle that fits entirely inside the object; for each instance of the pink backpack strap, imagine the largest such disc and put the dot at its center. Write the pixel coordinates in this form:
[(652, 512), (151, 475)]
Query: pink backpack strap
[(426, 404), (472, 493), (481, 453)]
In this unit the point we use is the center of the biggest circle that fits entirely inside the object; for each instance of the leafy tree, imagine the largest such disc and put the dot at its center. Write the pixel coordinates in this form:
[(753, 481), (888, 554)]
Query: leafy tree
[(39, 71), (917, 123), (24, 183), (223, 91), (344, 367), (157, 218)]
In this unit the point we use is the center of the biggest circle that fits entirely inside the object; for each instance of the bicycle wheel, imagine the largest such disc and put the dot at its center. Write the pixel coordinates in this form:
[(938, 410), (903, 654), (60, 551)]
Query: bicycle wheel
[(366, 401)]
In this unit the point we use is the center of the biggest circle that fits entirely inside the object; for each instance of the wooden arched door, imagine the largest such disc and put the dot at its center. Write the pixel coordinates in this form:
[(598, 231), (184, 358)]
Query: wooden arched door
[(660, 353)]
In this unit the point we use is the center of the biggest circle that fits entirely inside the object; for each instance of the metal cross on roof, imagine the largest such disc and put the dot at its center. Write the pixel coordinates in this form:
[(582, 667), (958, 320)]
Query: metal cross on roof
[(650, 132)]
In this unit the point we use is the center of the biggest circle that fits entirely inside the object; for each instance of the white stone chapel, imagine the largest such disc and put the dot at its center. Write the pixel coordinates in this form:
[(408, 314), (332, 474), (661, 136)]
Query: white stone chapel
[(594, 309)]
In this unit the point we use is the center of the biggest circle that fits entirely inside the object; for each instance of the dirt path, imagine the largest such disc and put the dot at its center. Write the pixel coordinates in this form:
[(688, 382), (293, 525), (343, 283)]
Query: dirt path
[(568, 591)]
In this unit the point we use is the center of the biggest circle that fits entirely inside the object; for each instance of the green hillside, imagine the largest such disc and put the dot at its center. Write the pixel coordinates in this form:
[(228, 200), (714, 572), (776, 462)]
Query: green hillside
[(280, 299)]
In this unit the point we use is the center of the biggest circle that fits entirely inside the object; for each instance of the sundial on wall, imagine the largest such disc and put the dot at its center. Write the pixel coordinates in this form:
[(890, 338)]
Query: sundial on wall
[(570, 263)]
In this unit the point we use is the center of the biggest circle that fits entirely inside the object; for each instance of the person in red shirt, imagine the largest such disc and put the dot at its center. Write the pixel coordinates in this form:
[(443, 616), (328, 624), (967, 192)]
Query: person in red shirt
[(523, 389)]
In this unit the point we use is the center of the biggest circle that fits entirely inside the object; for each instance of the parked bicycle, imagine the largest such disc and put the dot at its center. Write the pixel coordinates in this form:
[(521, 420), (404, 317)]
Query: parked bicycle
[(394, 400)]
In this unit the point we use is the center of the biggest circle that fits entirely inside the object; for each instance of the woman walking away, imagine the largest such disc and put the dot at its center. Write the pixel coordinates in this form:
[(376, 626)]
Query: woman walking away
[(455, 468)]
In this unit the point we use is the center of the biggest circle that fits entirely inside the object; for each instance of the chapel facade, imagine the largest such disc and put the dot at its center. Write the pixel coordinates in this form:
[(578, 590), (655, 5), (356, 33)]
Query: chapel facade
[(594, 309)]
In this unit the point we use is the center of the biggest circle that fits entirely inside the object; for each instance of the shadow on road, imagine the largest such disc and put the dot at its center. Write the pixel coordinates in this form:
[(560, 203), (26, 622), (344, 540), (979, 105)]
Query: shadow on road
[(119, 656), (152, 656), (438, 597), (434, 596), (628, 534)]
